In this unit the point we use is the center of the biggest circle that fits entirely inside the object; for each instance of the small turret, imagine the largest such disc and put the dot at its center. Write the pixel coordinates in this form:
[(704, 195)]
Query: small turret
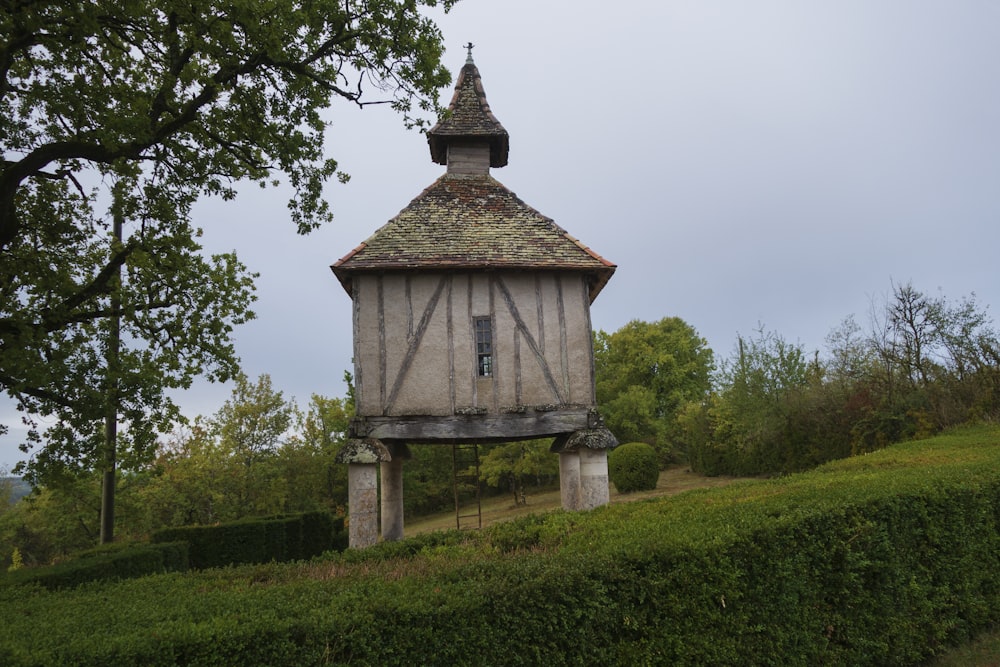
[(469, 139)]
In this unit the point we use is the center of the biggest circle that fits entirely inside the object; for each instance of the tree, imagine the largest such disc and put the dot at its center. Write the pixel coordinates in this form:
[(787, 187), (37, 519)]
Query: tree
[(254, 421), (511, 463), (910, 317), (189, 483), (6, 490), (757, 385), (252, 425), (428, 479), (749, 425), (645, 372), (946, 354), (133, 111), (314, 478)]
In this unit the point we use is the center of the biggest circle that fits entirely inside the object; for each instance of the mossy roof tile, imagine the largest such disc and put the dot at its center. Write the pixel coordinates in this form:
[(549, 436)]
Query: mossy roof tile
[(472, 222), (469, 118)]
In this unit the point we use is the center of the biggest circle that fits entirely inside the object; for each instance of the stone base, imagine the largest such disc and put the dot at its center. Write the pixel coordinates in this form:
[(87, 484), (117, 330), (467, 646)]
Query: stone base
[(583, 468), (362, 456)]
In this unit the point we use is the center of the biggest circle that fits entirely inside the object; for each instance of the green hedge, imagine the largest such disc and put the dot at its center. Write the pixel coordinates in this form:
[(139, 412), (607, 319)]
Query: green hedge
[(277, 538), (884, 559), (634, 466), (116, 561)]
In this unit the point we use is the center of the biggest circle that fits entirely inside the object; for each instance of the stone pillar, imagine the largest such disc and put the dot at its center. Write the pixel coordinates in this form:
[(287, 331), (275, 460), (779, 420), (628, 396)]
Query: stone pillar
[(392, 492), (362, 504), (569, 480), (361, 457), (583, 467), (594, 485)]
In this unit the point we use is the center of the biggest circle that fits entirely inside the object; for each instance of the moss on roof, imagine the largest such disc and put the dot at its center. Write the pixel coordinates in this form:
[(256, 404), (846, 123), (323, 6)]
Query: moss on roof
[(472, 222)]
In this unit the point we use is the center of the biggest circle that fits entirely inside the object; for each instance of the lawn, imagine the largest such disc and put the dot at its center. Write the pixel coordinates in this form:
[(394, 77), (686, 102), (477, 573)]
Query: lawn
[(673, 480)]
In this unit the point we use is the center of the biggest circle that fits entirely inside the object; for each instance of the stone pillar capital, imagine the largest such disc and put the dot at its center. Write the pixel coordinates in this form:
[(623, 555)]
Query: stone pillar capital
[(591, 438), (363, 450)]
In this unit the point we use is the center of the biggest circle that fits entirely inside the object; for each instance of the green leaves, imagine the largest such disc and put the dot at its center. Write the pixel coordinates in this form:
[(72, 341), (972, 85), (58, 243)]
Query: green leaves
[(133, 111), (633, 467), (645, 372)]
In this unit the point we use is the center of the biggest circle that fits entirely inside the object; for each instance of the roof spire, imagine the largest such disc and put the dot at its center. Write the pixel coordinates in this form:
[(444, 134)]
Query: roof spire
[(469, 120)]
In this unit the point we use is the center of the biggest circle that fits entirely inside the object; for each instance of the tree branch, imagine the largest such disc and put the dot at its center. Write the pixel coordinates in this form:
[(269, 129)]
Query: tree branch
[(12, 385)]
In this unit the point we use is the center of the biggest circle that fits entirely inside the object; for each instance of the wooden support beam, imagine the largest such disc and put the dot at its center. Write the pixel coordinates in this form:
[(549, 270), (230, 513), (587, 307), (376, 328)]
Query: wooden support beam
[(524, 424)]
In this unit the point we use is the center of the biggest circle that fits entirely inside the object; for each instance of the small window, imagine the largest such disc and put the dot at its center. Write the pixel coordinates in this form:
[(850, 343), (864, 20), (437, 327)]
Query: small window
[(484, 346)]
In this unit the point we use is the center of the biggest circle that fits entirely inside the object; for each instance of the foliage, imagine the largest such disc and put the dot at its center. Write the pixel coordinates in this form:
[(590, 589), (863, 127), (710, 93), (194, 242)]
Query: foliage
[(115, 561), (924, 365), (16, 561), (52, 522), (252, 423), (131, 112), (633, 467), (428, 480), (512, 466), (6, 490), (279, 538), (748, 415), (314, 479), (884, 559), (272, 459), (644, 373)]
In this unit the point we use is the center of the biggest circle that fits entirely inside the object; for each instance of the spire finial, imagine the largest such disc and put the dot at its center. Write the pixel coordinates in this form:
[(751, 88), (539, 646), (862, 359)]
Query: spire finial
[(468, 58)]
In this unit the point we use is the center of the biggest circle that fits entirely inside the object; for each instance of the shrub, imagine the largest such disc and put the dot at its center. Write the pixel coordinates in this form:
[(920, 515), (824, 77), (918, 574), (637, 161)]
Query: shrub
[(278, 538), (633, 466), (883, 560), (116, 561)]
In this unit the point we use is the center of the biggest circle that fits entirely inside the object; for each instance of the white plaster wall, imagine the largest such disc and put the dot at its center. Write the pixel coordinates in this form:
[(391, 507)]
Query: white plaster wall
[(440, 374)]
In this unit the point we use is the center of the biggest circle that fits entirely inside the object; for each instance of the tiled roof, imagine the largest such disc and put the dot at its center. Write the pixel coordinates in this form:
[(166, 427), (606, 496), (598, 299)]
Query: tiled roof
[(472, 222), (469, 117)]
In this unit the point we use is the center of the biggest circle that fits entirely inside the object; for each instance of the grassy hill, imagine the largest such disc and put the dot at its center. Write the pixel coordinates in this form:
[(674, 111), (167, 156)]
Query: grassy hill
[(884, 559), (674, 480)]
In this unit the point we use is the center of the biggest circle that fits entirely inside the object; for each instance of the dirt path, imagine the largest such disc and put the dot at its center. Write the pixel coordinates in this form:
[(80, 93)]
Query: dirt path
[(673, 480)]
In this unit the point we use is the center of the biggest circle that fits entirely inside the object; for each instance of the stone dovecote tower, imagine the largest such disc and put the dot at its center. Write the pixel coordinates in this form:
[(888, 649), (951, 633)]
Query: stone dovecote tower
[(471, 315)]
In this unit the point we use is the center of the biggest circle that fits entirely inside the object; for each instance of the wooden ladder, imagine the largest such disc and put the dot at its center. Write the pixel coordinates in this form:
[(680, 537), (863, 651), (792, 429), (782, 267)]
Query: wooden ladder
[(465, 478)]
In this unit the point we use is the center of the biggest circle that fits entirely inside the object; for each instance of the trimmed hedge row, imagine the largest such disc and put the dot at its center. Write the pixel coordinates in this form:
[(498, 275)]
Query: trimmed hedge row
[(277, 538), (879, 560), (117, 561)]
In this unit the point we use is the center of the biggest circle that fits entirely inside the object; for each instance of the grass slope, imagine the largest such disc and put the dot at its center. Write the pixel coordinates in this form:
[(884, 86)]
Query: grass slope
[(435, 580), (674, 480)]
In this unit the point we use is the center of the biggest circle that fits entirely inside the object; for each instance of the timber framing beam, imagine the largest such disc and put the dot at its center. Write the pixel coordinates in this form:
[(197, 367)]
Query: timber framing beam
[(521, 424)]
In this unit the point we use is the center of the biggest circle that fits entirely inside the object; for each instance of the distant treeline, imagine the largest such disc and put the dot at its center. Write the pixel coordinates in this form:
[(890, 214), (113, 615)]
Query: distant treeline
[(920, 364), (18, 488)]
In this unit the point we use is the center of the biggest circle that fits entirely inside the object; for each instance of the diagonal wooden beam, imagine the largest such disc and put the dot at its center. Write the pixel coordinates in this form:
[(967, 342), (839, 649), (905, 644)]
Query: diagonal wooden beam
[(411, 350), (529, 339)]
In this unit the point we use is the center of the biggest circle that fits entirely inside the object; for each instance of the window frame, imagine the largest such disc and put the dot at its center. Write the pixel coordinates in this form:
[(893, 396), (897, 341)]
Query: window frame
[(482, 328)]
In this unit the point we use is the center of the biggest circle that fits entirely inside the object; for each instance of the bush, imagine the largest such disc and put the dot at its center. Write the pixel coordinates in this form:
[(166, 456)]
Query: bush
[(633, 467), (115, 561), (883, 559), (278, 538)]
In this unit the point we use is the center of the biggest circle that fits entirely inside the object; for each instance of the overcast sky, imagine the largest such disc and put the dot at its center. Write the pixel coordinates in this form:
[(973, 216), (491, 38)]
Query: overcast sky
[(744, 163)]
